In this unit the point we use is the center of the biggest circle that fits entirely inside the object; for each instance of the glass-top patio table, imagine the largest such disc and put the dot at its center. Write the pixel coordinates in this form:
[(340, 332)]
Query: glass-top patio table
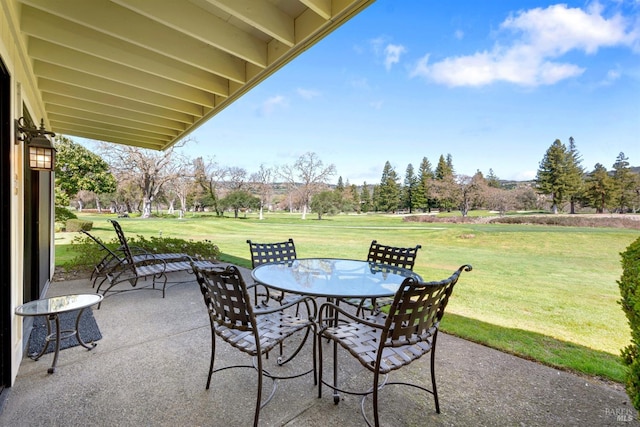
[(332, 278), (52, 308)]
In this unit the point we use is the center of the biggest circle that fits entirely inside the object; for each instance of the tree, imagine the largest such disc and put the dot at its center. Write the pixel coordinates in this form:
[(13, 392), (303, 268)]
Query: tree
[(492, 180), (312, 175), (599, 189), (355, 197), (209, 177), (444, 168), (556, 176), (623, 182), (389, 190), (410, 189), (239, 199), (365, 198), (149, 170), (263, 182), (574, 174), (325, 202), (78, 169), (423, 195)]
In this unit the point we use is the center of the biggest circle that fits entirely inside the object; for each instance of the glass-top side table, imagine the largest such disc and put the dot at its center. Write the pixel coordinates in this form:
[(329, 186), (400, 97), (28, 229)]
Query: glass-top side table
[(52, 308)]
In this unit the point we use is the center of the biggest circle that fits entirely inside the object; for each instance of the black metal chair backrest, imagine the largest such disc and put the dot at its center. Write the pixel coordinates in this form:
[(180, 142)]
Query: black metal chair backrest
[(225, 294), (396, 256), (417, 310), (102, 245), (124, 246), (263, 253)]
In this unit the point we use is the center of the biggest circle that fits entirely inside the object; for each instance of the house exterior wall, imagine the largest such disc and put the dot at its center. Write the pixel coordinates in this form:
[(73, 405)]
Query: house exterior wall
[(24, 94)]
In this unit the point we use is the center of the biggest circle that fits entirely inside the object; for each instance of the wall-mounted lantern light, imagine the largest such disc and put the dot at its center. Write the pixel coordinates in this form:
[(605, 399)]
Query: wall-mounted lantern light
[(41, 152)]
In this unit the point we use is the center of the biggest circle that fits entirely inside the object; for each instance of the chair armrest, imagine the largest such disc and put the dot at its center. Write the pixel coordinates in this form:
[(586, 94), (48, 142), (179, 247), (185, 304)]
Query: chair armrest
[(324, 308), (307, 301)]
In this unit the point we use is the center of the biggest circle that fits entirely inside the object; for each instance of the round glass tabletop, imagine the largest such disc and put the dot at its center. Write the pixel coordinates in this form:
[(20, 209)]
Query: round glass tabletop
[(59, 304), (333, 278)]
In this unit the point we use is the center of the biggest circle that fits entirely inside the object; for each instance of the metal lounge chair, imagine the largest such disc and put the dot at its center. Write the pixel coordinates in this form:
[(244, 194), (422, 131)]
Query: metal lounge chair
[(113, 257), (386, 342), (137, 263)]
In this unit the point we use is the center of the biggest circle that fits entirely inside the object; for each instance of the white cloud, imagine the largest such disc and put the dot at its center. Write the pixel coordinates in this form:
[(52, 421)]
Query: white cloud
[(392, 53), (458, 34), (273, 103), (389, 52), (308, 93), (538, 38), (376, 105)]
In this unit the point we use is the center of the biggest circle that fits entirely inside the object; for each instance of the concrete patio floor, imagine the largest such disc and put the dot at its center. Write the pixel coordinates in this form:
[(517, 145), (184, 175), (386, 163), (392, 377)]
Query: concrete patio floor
[(150, 369)]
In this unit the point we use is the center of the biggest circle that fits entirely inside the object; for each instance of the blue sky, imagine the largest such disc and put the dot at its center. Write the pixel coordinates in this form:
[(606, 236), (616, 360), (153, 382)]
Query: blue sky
[(492, 83)]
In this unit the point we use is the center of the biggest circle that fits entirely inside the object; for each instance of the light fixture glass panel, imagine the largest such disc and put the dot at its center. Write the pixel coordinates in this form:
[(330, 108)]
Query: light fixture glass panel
[(41, 158)]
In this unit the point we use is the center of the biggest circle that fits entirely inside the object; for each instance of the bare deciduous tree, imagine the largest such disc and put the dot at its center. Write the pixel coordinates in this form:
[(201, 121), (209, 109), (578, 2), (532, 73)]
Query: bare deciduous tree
[(262, 182), (309, 176), (149, 170)]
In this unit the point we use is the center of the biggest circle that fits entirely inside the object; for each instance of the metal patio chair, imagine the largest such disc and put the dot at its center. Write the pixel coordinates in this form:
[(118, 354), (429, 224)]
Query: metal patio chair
[(386, 342), (404, 257), (262, 253), (254, 330)]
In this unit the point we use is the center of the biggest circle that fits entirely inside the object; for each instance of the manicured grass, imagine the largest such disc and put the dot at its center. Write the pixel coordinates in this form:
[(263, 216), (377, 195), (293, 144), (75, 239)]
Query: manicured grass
[(546, 293)]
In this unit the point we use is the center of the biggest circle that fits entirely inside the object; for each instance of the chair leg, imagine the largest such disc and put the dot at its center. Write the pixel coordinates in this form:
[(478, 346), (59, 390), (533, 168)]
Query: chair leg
[(319, 344), (259, 396), (336, 396), (376, 418), (213, 354), (433, 372)]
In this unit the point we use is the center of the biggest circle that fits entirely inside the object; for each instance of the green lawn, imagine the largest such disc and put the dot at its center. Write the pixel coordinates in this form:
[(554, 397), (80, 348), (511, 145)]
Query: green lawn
[(546, 293)]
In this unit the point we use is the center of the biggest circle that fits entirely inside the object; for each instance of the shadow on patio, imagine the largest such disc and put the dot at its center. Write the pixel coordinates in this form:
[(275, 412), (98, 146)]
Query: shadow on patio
[(151, 365)]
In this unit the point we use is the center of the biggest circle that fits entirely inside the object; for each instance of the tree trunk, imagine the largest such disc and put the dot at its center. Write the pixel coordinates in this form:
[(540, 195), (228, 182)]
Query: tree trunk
[(261, 217), (304, 211), (146, 208)]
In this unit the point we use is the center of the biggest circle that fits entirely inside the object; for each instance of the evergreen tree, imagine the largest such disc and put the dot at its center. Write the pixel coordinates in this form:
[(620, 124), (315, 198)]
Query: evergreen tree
[(365, 198), (389, 192), (375, 198), (450, 164), (340, 186), (599, 189), (410, 189), (444, 168), (574, 174), (623, 182), (423, 196), (555, 175), (355, 197), (492, 180)]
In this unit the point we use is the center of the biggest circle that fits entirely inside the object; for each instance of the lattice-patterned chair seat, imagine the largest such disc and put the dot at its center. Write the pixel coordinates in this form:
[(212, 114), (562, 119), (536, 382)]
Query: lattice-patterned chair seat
[(385, 342)]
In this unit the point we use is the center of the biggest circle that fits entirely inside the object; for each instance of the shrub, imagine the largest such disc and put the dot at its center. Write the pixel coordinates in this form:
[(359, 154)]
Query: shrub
[(89, 253), (78, 225), (629, 285), (64, 214), (201, 249)]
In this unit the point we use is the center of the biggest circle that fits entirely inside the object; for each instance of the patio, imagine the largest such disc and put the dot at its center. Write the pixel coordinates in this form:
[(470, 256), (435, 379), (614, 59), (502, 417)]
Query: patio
[(151, 365)]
